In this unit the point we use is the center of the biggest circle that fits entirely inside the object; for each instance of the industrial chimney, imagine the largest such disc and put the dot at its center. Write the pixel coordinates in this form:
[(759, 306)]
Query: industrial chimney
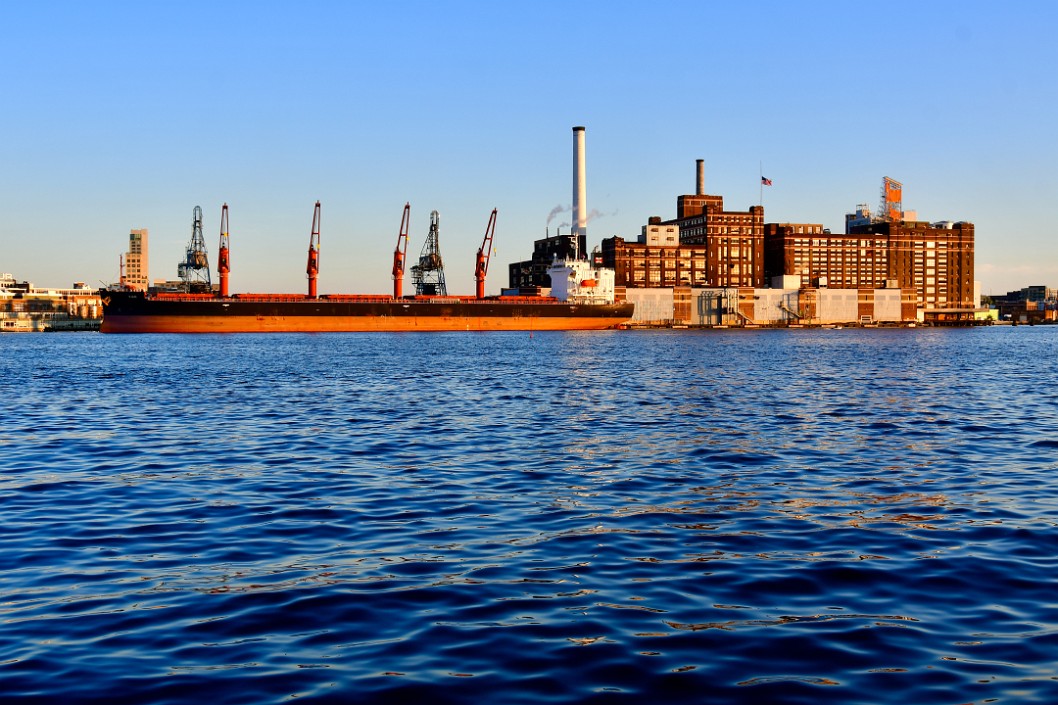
[(580, 210), (701, 178)]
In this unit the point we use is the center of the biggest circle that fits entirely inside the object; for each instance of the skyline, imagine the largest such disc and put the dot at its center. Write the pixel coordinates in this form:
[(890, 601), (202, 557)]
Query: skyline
[(122, 117)]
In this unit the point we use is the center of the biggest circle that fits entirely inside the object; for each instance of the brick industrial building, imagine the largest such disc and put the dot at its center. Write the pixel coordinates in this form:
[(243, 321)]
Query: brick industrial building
[(816, 257), (934, 260), (704, 245), (937, 261), (709, 265), (709, 247), (532, 273)]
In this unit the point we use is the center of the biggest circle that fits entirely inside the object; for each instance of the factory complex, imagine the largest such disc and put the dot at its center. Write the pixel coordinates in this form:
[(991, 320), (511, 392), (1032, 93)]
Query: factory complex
[(710, 266)]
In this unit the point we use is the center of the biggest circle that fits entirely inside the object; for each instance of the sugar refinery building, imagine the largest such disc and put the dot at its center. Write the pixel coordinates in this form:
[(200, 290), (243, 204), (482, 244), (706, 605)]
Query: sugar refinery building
[(710, 266)]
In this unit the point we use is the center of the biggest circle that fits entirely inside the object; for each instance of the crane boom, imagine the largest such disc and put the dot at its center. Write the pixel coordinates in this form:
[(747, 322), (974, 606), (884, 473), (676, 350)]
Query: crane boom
[(429, 273), (401, 252), (223, 259), (484, 255), (313, 266), (194, 270)]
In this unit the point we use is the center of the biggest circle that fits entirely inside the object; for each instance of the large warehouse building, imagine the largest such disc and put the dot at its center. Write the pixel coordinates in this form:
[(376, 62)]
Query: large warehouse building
[(713, 266)]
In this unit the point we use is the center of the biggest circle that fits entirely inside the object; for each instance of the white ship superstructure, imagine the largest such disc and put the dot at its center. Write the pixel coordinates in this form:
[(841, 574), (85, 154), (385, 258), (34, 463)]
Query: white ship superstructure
[(579, 281)]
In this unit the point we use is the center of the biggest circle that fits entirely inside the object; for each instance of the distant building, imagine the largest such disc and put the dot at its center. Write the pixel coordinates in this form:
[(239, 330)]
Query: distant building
[(136, 261), (1033, 304), (24, 307), (862, 216), (1038, 293), (533, 272)]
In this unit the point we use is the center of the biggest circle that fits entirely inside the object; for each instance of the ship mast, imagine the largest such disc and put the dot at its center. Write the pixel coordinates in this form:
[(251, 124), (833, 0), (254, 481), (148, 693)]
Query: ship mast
[(400, 253), (223, 261), (313, 266), (481, 267)]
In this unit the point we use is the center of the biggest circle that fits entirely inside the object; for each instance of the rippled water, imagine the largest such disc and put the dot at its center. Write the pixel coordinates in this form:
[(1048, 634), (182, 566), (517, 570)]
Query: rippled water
[(827, 516)]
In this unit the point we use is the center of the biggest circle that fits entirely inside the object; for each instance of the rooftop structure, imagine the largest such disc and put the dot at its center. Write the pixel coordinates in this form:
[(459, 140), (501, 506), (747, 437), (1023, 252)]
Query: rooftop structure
[(712, 247)]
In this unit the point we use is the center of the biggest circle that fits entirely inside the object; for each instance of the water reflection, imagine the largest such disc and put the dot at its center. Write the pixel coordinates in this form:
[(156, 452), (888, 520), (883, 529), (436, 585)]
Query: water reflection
[(770, 516)]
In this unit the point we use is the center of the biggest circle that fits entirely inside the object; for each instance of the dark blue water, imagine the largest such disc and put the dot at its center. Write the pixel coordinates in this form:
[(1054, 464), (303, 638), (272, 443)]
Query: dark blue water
[(829, 516)]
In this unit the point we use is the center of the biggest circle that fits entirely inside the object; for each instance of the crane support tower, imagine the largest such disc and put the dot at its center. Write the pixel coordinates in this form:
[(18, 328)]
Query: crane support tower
[(429, 273), (223, 261), (312, 269), (481, 266), (194, 270), (400, 254)]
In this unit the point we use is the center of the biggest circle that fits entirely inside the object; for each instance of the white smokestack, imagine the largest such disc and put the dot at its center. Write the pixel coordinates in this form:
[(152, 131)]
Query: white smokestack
[(701, 177), (580, 191)]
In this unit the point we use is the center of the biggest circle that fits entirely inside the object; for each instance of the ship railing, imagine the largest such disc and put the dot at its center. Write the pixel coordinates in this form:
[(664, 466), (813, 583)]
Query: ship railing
[(529, 299), (365, 298), (486, 300), (180, 296)]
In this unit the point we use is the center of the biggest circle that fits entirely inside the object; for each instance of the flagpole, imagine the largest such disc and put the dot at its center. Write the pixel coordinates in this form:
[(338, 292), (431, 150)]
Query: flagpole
[(760, 201)]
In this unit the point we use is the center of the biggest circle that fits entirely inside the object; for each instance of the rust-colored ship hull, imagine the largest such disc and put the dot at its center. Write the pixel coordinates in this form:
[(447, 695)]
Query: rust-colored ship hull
[(138, 312)]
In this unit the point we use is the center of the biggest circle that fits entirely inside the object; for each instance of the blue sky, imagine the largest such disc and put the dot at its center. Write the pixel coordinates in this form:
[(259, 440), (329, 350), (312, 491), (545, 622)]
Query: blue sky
[(120, 115)]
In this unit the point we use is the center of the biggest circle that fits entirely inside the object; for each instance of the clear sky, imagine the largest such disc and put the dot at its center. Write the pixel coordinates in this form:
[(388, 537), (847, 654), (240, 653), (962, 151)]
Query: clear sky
[(121, 115)]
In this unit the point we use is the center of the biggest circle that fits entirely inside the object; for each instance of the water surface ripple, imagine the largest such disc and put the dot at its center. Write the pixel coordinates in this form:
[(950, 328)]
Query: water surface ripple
[(829, 516)]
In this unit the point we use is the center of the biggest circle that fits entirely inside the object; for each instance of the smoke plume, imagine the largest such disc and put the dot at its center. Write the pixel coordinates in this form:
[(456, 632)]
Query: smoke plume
[(555, 211)]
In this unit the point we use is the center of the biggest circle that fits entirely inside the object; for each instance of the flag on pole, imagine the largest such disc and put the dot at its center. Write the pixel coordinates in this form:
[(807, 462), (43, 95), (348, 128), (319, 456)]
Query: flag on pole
[(765, 181)]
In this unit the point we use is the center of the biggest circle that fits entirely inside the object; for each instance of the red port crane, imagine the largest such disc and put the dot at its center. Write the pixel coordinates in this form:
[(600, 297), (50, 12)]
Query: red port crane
[(223, 263), (400, 252), (313, 267), (484, 254)]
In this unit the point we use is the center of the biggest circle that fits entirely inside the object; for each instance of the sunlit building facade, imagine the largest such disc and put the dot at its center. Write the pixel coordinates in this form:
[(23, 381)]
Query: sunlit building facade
[(136, 261)]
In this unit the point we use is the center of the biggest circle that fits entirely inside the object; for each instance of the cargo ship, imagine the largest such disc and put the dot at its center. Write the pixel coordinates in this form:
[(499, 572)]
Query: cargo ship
[(581, 295), (581, 298), (140, 312)]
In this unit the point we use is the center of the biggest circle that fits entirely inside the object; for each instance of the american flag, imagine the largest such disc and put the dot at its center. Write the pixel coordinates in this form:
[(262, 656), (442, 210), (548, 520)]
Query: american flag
[(765, 181)]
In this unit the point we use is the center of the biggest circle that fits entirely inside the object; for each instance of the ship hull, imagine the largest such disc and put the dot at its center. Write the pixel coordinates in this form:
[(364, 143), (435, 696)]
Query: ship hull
[(136, 312)]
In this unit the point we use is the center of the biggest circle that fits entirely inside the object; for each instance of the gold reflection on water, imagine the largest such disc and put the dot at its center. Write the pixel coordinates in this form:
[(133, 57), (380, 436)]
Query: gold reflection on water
[(793, 508), (733, 624)]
